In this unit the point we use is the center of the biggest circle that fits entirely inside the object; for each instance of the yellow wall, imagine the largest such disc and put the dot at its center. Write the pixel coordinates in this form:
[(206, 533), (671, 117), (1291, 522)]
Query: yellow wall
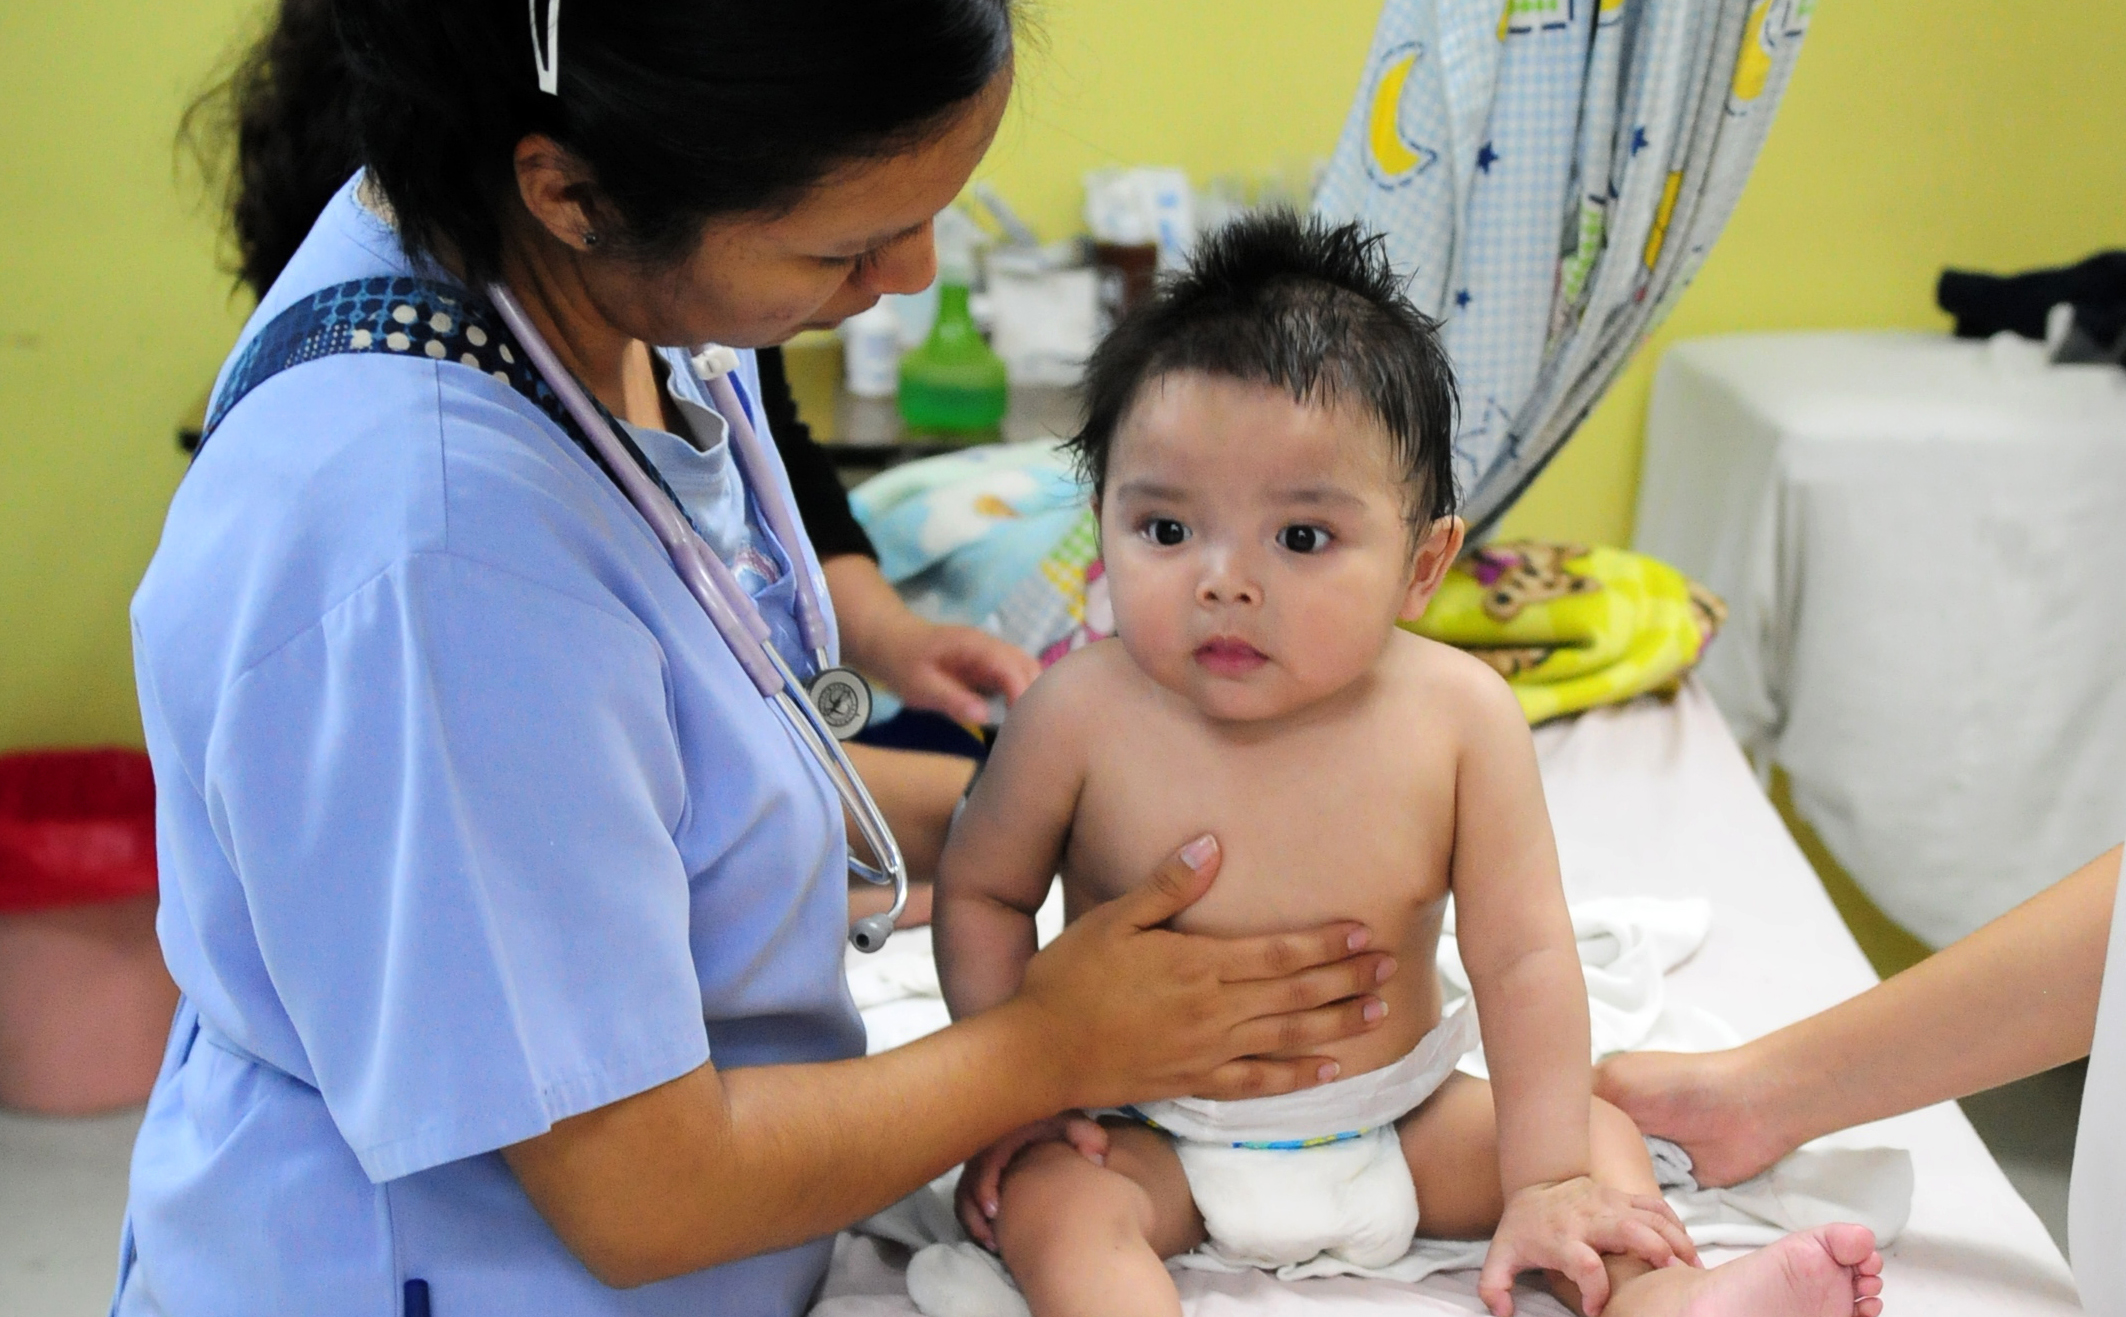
[(1917, 132), (113, 319)]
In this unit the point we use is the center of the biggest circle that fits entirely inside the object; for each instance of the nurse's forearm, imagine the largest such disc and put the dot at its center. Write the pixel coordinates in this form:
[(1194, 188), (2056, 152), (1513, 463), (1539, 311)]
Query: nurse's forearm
[(2016, 997), (715, 1167)]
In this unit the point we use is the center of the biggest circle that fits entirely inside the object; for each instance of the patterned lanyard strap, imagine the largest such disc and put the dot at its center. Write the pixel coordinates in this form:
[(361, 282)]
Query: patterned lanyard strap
[(421, 320)]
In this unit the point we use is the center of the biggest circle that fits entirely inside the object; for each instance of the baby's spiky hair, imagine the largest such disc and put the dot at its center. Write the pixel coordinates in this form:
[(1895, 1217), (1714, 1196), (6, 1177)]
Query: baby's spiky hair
[(1301, 305)]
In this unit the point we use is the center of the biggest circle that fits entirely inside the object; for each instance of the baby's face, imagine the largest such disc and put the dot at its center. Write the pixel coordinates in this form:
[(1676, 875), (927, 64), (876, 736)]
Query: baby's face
[(1256, 547)]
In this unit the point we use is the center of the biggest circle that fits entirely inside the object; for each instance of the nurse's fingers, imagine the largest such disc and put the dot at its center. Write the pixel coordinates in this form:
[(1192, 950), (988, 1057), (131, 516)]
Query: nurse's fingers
[(1297, 1031), (1354, 976), (1281, 955), (1252, 1077)]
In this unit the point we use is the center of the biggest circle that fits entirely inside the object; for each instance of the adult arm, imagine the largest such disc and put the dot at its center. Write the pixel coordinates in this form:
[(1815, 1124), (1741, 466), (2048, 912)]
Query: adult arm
[(917, 791), (950, 669), (717, 1166), (2014, 998)]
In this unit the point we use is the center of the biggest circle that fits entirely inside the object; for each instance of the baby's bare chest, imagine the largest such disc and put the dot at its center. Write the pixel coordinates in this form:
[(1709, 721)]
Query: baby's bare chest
[(1339, 823)]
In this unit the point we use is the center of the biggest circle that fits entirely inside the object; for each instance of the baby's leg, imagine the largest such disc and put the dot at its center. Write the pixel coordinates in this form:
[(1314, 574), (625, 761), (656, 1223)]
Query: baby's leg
[(1452, 1146), (1086, 1239)]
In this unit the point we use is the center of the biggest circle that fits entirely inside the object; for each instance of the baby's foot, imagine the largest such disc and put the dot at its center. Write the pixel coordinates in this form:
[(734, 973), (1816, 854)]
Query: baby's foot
[(1701, 1101), (1832, 1271)]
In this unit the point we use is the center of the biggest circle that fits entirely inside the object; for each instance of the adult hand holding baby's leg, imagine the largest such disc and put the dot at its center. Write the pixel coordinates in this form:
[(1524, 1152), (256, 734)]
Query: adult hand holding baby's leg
[(1138, 1012)]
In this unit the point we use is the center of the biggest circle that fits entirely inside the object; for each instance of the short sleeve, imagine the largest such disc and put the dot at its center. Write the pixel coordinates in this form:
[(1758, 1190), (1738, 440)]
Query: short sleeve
[(451, 807)]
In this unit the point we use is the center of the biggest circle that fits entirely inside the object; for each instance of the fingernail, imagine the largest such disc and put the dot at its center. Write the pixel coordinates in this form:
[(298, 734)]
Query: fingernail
[(1374, 1010), (1329, 1070), (1099, 1159), (1360, 938), (1196, 852), (989, 1209), (1385, 970)]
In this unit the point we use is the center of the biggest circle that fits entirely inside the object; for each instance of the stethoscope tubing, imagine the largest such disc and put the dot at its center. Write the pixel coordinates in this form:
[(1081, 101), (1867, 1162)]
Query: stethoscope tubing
[(734, 615)]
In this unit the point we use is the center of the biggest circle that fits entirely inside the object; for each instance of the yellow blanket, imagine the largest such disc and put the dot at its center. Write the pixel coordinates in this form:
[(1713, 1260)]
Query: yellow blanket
[(1571, 627)]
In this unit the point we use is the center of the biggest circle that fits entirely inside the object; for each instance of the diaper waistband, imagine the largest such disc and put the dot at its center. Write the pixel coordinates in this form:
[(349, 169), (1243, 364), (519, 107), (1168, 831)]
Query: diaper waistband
[(1353, 1107)]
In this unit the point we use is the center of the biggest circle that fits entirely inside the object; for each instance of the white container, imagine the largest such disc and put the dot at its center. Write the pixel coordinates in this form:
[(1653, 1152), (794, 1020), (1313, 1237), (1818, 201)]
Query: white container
[(871, 353)]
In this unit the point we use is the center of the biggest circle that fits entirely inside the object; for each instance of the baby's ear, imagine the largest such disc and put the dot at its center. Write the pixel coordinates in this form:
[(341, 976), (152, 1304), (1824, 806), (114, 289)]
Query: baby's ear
[(1436, 553)]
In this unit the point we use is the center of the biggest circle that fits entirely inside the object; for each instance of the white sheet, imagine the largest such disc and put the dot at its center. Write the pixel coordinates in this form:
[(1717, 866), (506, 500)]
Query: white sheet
[(1654, 799), (1923, 547)]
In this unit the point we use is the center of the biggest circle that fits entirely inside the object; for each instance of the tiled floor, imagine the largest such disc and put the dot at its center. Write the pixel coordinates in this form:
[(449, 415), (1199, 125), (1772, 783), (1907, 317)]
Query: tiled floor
[(62, 1195)]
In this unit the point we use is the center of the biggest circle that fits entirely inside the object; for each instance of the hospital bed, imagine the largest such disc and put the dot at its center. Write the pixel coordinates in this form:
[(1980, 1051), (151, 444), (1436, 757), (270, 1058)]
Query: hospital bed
[(1654, 798)]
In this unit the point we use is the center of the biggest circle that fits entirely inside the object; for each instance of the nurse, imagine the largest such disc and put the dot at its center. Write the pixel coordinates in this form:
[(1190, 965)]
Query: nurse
[(509, 917), (2042, 985)]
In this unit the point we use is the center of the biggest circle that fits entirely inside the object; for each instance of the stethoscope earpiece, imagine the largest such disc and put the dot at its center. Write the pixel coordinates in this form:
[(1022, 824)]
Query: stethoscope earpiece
[(870, 933)]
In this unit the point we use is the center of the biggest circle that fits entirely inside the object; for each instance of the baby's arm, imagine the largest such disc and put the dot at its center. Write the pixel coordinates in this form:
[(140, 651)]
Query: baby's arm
[(1517, 944), (1004, 849)]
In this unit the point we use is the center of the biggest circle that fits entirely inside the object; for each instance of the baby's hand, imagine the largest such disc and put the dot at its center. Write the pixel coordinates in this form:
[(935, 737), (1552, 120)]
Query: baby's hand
[(980, 1181), (1566, 1228)]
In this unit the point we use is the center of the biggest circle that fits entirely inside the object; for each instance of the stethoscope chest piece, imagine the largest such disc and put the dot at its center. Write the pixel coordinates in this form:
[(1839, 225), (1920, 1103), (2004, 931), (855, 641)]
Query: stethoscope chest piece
[(843, 699)]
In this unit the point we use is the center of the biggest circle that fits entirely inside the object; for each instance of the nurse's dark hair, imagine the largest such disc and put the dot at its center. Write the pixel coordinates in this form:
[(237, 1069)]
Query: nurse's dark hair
[(276, 137), (679, 110), (1306, 307)]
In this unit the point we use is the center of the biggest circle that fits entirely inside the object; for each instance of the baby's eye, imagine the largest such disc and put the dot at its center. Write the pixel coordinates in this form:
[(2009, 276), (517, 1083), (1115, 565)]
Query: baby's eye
[(1165, 531), (1304, 539)]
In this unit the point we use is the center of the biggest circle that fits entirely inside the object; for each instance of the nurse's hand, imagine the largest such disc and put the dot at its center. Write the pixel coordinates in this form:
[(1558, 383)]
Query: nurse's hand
[(1133, 1012)]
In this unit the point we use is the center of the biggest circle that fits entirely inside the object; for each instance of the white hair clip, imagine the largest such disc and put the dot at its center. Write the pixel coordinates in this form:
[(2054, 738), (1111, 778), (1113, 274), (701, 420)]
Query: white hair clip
[(547, 59)]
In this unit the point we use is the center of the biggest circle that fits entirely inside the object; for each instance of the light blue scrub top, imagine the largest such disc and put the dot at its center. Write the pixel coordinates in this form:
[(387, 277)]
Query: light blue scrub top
[(468, 822)]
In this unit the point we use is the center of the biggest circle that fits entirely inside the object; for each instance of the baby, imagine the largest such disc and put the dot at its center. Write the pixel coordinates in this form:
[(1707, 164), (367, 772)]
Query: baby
[(1268, 444)]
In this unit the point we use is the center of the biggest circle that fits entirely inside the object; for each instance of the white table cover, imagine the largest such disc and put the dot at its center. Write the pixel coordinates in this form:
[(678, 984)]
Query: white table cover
[(1922, 542)]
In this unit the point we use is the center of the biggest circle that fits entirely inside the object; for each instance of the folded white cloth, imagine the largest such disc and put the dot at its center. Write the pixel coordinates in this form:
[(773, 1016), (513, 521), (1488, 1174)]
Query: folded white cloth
[(1627, 945)]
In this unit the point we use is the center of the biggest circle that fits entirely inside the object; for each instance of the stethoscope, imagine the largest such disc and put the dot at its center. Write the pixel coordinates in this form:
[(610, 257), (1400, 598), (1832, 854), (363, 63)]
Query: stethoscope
[(836, 703)]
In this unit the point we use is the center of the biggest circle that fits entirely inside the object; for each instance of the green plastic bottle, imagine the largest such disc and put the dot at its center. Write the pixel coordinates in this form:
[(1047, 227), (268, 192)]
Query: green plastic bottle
[(954, 384)]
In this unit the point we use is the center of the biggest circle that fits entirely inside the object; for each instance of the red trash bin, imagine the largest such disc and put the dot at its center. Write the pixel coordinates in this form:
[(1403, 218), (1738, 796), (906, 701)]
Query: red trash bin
[(85, 1001)]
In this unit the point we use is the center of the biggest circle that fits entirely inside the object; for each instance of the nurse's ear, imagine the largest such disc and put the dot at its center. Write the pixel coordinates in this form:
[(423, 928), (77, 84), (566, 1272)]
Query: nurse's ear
[(559, 192)]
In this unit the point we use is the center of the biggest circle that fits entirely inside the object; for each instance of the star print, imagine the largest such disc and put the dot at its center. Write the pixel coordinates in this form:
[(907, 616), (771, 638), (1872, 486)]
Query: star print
[(1638, 139), (1462, 298), (1486, 158)]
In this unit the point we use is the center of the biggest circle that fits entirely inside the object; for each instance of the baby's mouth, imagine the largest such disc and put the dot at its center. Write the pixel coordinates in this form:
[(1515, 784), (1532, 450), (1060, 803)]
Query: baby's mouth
[(1225, 656)]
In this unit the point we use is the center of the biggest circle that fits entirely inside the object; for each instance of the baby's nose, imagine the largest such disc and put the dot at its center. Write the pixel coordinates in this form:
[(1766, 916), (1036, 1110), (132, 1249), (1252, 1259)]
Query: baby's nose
[(1227, 583)]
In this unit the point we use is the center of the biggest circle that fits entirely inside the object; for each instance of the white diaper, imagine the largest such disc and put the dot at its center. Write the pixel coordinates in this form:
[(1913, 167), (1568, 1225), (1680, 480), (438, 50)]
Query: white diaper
[(1281, 1180)]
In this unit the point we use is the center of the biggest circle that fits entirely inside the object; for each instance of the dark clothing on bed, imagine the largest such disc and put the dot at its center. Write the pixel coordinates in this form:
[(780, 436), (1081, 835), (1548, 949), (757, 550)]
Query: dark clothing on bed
[(821, 501)]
